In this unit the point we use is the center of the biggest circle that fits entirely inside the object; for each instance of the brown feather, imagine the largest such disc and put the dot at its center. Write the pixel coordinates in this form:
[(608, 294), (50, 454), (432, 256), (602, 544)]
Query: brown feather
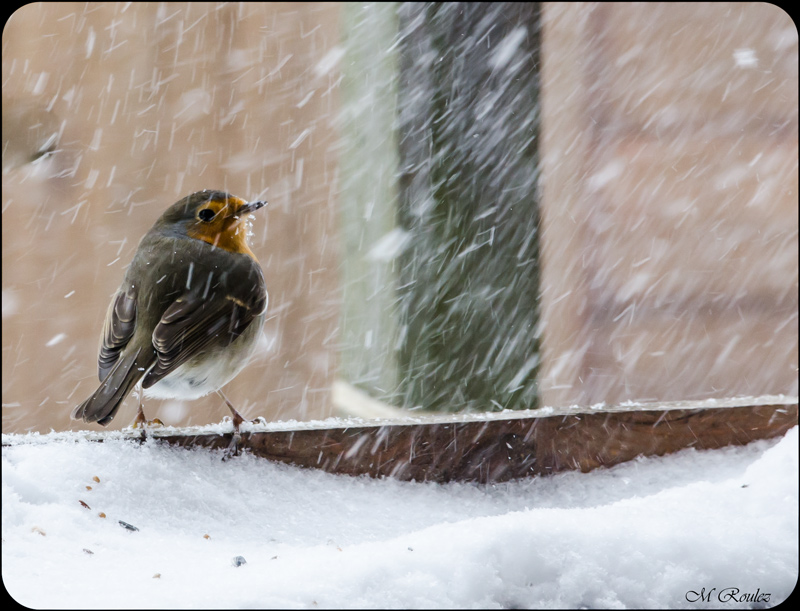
[(191, 325), (119, 326)]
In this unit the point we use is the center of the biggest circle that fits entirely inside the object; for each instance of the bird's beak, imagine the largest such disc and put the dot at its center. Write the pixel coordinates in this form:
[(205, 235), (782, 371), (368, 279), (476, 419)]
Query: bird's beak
[(250, 207)]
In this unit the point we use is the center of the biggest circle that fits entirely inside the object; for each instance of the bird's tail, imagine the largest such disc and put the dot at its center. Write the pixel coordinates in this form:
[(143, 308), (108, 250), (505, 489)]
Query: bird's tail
[(102, 406)]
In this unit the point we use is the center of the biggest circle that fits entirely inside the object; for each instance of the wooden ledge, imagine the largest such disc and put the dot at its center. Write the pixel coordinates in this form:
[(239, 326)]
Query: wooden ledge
[(490, 447)]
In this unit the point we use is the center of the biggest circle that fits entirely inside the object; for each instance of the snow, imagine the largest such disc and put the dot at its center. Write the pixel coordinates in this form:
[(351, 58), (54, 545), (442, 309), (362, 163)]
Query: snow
[(329, 61), (644, 534), (390, 246), (508, 47)]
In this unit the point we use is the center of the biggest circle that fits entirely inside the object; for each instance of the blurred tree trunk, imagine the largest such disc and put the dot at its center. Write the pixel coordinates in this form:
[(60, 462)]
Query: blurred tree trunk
[(459, 310)]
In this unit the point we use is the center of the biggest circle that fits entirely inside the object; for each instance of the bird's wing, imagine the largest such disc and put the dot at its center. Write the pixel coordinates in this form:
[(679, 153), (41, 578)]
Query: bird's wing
[(118, 329), (191, 324)]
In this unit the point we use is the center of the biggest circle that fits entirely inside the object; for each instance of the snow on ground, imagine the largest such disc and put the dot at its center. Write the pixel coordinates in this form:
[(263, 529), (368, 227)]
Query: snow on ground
[(654, 532)]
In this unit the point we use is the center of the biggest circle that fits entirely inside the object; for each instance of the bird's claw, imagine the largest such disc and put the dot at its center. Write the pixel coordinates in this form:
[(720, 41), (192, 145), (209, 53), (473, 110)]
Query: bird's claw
[(145, 424), (233, 447)]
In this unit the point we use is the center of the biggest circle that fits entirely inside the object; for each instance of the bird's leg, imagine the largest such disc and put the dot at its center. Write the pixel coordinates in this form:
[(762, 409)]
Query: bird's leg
[(233, 447), (141, 421), (237, 417)]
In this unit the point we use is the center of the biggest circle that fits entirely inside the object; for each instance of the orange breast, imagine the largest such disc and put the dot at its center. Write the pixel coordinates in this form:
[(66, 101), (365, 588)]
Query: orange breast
[(228, 234)]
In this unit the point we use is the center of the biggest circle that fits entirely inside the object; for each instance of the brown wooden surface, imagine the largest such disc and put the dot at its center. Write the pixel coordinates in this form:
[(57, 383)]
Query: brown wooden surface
[(503, 449)]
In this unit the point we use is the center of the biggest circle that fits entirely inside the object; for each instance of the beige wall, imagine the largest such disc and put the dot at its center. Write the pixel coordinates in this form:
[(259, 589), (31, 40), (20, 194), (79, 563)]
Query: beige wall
[(157, 101), (670, 209)]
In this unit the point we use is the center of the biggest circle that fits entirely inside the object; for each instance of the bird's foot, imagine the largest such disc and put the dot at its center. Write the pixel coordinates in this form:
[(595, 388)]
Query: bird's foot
[(236, 441), (143, 423)]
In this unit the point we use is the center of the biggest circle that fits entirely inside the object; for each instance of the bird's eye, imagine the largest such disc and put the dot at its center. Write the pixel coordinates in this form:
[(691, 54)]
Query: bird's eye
[(206, 214)]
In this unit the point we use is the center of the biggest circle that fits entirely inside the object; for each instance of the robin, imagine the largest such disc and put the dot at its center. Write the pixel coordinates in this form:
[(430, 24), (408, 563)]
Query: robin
[(187, 316)]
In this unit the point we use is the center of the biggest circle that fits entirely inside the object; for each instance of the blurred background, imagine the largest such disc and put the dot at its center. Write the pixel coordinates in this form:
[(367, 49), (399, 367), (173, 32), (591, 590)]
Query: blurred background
[(473, 206)]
